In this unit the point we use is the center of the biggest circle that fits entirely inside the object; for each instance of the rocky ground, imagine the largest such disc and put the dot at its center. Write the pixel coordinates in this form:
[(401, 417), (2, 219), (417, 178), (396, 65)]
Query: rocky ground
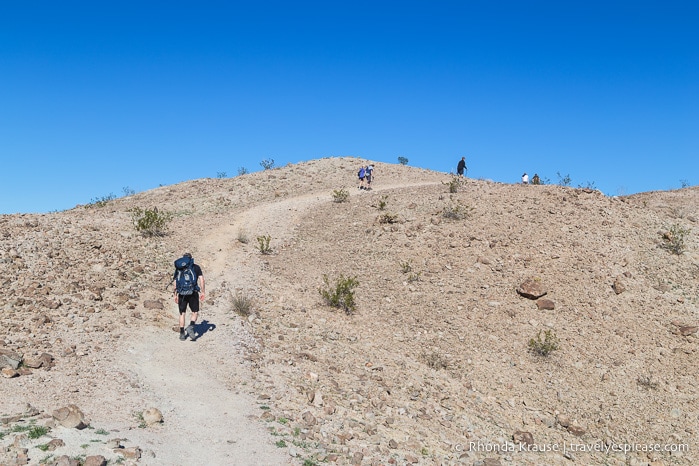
[(434, 366)]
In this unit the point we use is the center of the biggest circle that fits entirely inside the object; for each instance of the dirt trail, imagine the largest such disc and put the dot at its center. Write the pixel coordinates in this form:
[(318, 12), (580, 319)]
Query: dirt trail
[(196, 384)]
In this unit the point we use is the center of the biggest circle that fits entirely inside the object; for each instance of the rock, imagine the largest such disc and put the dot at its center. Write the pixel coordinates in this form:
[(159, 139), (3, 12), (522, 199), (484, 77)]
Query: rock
[(9, 358), (133, 453), (618, 286), (152, 416), (523, 438), (392, 444), (309, 418), (576, 430), (9, 372), (563, 420), (65, 460), (687, 330), (55, 443), (532, 288), (545, 304), (70, 416), (95, 460), (152, 304)]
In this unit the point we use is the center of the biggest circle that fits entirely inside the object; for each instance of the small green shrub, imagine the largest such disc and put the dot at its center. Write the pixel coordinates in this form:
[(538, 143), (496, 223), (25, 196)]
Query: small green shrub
[(406, 266), (453, 184), (150, 222), (413, 277), (546, 346), (280, 444), (340, 195), (456, 212), (674, 239), (220, 175), (267, 164), (43, 447), (242, 304), (647, 382), (383, 203), (402, 160), (263, 244), (341, 294), (563, 180), (242, 171), (128, 191), (37, 432), (102, 432)]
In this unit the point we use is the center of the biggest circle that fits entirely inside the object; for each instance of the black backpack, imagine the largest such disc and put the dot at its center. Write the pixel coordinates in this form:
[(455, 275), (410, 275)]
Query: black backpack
[(185, 277)]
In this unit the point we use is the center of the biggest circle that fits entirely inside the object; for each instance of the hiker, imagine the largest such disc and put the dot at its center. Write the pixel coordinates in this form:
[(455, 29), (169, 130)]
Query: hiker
[(362, 175), (189, 289), (525, 178), (369, 176), (461, 167), (536, 179)]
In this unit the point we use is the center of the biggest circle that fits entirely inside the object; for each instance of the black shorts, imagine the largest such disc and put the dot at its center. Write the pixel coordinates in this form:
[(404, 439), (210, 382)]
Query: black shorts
[(191, 299)]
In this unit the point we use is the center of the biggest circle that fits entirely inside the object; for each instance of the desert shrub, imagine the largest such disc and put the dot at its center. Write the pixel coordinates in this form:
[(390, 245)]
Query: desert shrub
[(382, 203), (388, 218), (37, 432), (456, 212), (402, 160), (684, 183), (341, 294), (263, 244), (414, 276), (150, 222), (674, 239), (453, 184), (647, 382), (128, 191), (406, 266), (242, 304), (546, 346), (563, 180), (243, 236), (220, 175), (101, 201), (340, 195), (435, 360), (267, 164), (242, 171)]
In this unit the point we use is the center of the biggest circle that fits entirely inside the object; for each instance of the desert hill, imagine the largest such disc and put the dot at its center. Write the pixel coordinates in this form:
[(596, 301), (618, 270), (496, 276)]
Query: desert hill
[(435, 365)]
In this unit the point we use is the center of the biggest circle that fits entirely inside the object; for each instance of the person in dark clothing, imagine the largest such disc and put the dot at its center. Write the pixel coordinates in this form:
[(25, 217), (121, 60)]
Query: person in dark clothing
[(461, 167), (192, 299)]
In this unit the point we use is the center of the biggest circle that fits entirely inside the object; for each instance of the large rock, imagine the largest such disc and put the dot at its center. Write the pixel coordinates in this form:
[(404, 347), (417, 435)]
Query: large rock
[(9, 358), (532, 288), (70, 416), (152, 416)]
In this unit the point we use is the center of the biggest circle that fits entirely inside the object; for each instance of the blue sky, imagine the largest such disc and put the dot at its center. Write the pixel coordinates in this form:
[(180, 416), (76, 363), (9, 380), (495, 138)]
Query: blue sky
[(96, 97)]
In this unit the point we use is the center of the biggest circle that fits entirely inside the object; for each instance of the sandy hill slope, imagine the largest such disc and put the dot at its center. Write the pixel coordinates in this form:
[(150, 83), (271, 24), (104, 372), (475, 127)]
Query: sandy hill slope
[(435, 365)]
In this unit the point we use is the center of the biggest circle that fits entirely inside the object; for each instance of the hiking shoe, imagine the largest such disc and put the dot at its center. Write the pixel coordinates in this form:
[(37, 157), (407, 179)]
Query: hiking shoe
[(190, 332), (183, 336)]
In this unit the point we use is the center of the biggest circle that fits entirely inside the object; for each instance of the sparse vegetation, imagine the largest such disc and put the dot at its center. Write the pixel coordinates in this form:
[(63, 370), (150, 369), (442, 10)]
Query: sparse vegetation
[(220, 175), (674, 239), (263, 244), (341, 294), (453, 184), (340, 195), (37, 432), (563, 180), (242, 304), (280, 443), (267, 164), (647, 382), (402, 160), (406, 266), (413, 277), (435, 360), (684, 183), (546, 346), (101, 201), (141, 422), (43, 446), (383, 203), (128, 191), (242, 171), (243, 236), (388, 218), (456, 212), (150, 222)]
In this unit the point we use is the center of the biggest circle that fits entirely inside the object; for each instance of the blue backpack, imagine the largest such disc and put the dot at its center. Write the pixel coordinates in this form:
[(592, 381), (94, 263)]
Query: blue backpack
[(361, 173), (185, 277)]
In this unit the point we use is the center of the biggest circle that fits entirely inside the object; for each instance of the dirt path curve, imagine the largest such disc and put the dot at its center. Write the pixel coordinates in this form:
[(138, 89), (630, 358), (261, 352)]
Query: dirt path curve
[(196, 384)]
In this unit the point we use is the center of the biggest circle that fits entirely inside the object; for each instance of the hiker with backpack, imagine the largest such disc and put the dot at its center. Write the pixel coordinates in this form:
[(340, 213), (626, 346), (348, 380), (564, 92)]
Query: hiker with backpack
[(369, 176), (361, 174), (189, 290), (461, 167)]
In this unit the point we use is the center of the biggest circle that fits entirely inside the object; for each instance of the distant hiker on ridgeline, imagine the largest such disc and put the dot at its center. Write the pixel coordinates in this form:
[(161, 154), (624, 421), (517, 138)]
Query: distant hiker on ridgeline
[(189, 289), (362, 175), (461, 166), (369, 176), (525, 178), (536, 179)]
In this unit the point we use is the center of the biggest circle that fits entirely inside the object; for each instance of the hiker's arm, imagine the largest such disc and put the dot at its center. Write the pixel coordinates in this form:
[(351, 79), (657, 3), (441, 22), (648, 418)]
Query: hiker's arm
[(202, 287)]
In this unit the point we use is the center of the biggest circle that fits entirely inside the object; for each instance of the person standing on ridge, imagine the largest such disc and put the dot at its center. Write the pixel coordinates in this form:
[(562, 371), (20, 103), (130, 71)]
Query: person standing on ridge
[(461, 166), (189, 290)]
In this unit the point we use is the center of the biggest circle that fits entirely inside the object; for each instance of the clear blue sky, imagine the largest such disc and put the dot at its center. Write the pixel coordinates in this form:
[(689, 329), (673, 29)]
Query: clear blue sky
[(98, 96)]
